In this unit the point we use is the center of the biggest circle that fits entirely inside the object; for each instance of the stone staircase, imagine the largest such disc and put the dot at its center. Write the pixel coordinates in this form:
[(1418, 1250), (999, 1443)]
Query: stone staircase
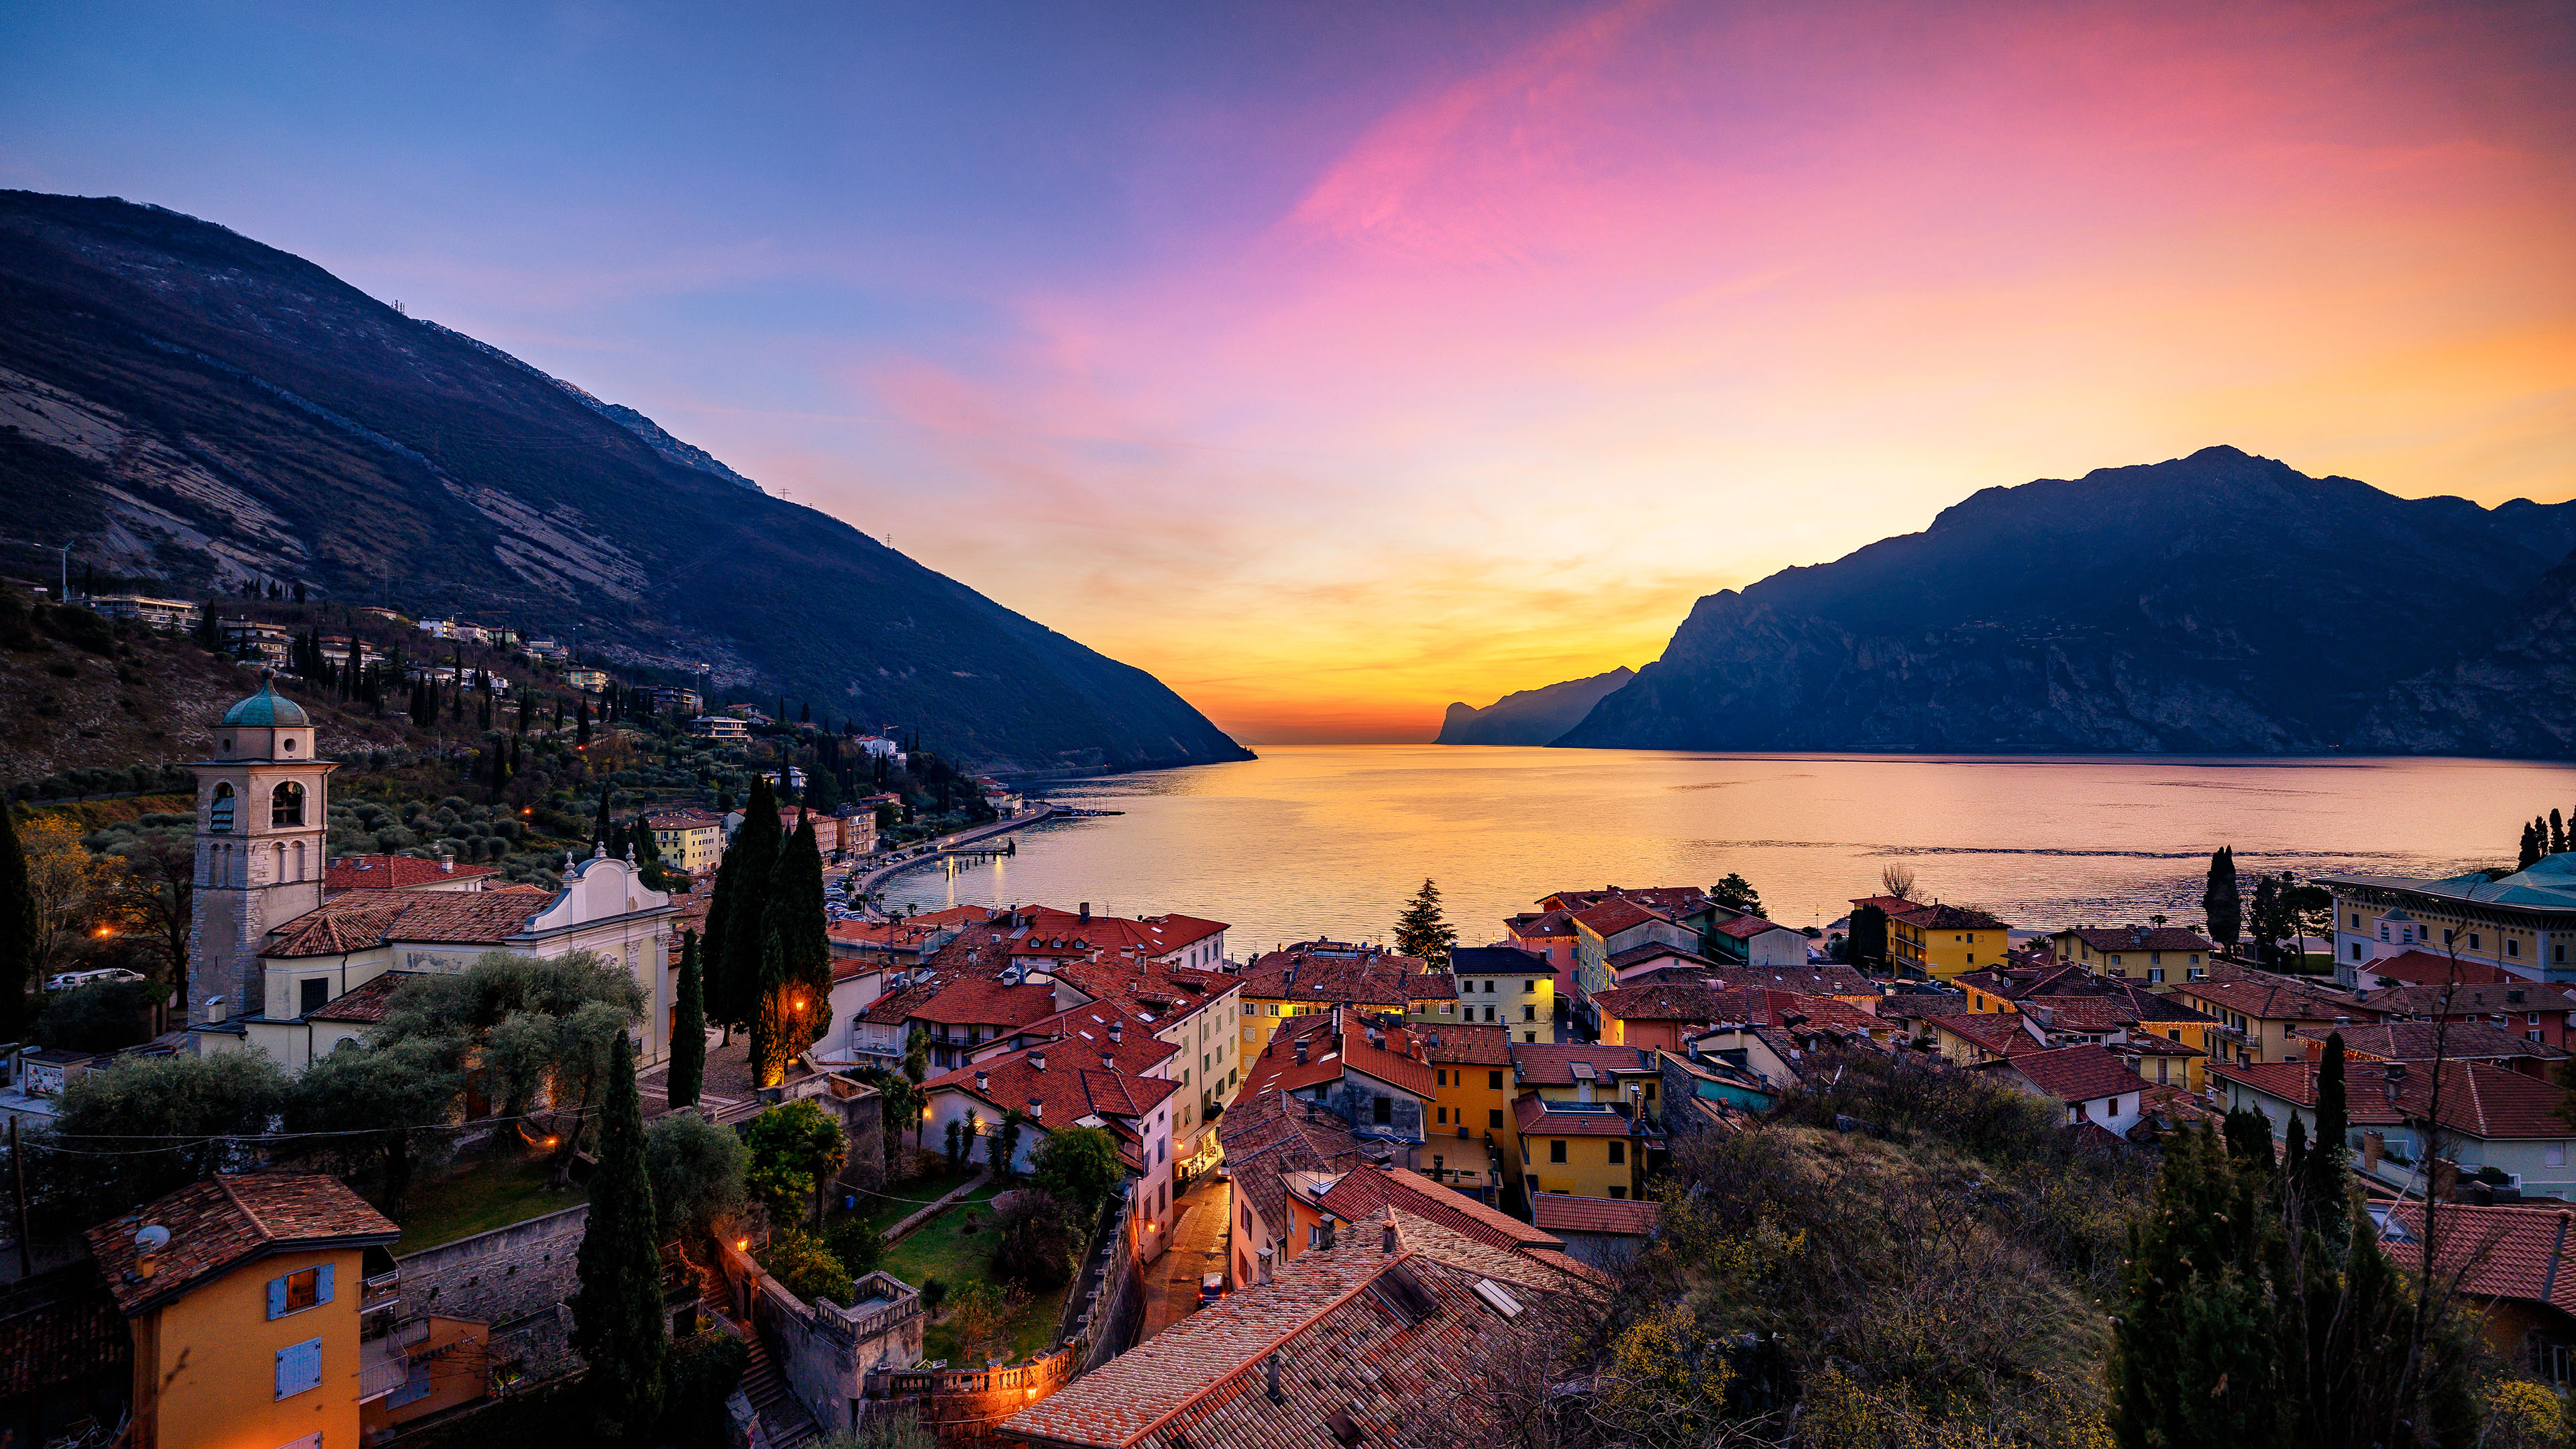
[(784, 1423)]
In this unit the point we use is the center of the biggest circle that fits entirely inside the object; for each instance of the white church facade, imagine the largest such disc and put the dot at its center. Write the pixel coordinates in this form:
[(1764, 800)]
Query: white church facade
[(278, 967)]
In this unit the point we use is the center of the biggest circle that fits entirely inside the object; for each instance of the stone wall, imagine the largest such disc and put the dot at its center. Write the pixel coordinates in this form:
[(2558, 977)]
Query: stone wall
[(515, 1279), (824, 1351)]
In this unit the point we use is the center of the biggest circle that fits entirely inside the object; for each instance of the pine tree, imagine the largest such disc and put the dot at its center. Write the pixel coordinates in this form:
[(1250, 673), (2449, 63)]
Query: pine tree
[(2219, 900), (1423, 932), (2194, 1357), (617, 1314), (689, 1029), (18, 934), (2249, 1138)]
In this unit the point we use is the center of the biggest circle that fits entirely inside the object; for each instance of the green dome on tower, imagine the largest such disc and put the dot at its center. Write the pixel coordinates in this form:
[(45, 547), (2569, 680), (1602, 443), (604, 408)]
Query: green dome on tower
[(266, 709)]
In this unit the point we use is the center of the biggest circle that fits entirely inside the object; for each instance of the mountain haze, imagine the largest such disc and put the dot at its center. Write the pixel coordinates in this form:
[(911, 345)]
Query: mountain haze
[(2220, 603), (1529, 716), (189, 406)]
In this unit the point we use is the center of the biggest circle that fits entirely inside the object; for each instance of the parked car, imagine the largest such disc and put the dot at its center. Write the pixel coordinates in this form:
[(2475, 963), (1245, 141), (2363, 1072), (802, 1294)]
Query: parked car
[(69, 979), (1211, 1288)]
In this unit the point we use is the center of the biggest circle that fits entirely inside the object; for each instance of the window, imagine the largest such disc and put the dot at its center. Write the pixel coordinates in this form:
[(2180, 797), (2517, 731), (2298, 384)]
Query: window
[(2553, 1154), (1618, 1154), (2155, 975), (1494, 1083), (2473, 939), (1489, 988), (1382, 1111), (315, 994), (1619, 1194), (298, 1291), (1489, 1013), (1442, 1118), (1529, 1013), (299, 1368), (219, 811), (2512, 947), (1529, 988), (1493, 1116), (1556, 1150)]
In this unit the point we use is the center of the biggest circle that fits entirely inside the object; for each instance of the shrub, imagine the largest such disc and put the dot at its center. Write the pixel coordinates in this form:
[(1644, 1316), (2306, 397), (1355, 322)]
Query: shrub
[(1038, 1243), (803, 1266), (859, 1247), (696, 1378), (103, 1016), (697, 1170)]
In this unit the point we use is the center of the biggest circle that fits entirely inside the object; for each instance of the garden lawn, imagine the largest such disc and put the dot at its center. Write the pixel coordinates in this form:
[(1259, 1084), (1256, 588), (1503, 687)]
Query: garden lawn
[(488, 1195), (902, 1199), (942, 1249)]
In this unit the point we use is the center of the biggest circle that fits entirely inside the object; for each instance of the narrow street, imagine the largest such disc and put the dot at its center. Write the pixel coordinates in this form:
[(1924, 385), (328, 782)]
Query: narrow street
[(1198, 1248)]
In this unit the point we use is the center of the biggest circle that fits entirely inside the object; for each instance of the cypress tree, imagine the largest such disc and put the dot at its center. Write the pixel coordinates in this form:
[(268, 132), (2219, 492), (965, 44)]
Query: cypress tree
[(2294, 1155), (18, 934), (2557, 833), (617, 1313), (2219, 899), (796, 957), (753, 861), (2249, 1138), (2325, 1188), (581, 727), (2529, 854), (689, 1029), (2194, 1357)]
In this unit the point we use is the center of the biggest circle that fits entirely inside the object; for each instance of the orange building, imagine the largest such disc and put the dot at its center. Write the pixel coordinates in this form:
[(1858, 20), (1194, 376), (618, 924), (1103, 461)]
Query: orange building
[(241, 1293)]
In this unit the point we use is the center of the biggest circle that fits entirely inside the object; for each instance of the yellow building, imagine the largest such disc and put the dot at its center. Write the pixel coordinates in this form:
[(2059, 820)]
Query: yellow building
[(690, 840), (2153, 955), (241, 1293), (1472, 1093), (2256, 1019), (1504, 986), (1316, 976), (1583, 1148), (1946, 941)]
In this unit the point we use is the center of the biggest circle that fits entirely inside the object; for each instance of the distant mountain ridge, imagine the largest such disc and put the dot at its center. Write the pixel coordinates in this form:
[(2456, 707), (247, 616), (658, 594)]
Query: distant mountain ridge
[(1529, 716), (190, 406), (2220, 603)]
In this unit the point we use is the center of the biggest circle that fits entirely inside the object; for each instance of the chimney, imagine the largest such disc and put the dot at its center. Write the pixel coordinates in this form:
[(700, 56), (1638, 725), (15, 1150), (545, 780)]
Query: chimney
[(1388, 1238), (215, 1008), (1086, 913), (149, 1240), (1271, 1364), (1108, 1061), (1261, 1276), (447, 863), (1300, 1045), (1038, 1060), (2394, 1080), (1117, 1032), (1327, 1244), (983, 1082), (1037, 1109)]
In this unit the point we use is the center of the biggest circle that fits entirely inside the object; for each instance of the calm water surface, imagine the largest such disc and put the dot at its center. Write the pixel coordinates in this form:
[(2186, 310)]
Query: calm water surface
[(1331, 840)]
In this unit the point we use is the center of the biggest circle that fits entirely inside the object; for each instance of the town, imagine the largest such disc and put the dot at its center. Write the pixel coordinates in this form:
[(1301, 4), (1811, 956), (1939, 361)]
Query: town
[(607, 1090)]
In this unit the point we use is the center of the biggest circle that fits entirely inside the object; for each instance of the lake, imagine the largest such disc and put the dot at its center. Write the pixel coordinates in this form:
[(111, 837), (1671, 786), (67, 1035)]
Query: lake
[(1330, 840)]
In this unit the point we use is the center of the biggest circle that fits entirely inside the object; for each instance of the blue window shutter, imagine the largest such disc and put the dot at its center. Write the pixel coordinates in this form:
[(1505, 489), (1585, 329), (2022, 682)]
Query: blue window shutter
[(277, 1298), (322, 1285), (299, 1367)]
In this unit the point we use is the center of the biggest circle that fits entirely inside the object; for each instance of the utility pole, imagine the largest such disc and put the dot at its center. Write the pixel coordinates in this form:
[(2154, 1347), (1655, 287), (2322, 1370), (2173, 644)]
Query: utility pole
[(18, 1170)]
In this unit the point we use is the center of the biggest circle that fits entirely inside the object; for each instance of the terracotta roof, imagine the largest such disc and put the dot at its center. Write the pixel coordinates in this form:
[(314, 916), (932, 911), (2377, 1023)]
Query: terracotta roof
[(2076, 1073), (1400, 1345), (2265, 1000), (362, 920), (1764, 1006), (1662, 1001), (1158, 935), (2475, 998), (2422, 1041), (2081, 1013), (2497, 1251), (2479, 1099), (1615, 915), (1889, 904), (1938, 917), (60, 1327), (2139, 938), (223, 1222), (364, 1003), (1074, 1083), (1537, 1115), (1268, 1133), (1365, 1190), (682, 820), (1745, 928), (1469, 1045), (1327, 973), (1663, 900), (1563, 1213), (394, 872), (1533, 925), (1549, 1064), (1635, 956), (1994, 1030), (2436, 969)]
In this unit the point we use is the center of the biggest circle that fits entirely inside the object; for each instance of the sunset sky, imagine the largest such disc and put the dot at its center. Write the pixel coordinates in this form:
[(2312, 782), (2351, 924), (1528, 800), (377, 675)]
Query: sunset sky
[(1336, 361)]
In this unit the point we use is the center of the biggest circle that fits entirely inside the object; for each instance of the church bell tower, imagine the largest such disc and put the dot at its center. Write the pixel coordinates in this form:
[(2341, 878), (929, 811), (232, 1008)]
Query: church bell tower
[(262, 804)]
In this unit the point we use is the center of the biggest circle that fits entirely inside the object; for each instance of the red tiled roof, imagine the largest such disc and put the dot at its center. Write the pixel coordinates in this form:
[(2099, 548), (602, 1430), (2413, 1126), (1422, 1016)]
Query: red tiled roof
[(2479, 998), (1538, 1116), (1661, 1001), (2265, 1000), (60, 1328), (360, 920), (1364, 1191), (1745, 928), (1994, 1030), (364, 1003), (1536, 925), (2139, 938), (394, 872), (2478, 1099), (1156, 935), (225, 1221), (1349, 976), (1938, 917), (2422, 1041), (1634, 956), (1477, 1046), (2076, 1073), (1412, 1320), (1551, 1064), (1613, 916), (2496, 1251), (682, 819), (1563, 1213), (1889, 904), (2428, 968), (1663, 900), (1267, 1133), (1074, 1083)]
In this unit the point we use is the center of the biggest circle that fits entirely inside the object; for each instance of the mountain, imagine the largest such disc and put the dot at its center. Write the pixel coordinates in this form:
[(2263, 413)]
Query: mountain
[(1529, 716), (2220, 603), (190, 407), (2516, 697)]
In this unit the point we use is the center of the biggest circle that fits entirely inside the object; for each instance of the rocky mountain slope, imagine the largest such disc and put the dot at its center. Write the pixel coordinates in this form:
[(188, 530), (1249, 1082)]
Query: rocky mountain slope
[(189, 406), (2220, 603), (2516, 697), (1529, 716)]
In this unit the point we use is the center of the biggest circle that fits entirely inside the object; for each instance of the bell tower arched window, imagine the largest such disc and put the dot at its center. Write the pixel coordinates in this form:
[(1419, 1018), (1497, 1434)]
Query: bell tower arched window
[(219, 811), (286, 805)]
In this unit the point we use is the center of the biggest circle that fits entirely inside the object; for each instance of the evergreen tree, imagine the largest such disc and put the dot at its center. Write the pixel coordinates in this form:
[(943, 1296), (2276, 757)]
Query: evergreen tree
[(2249, 1138), (2294, 1156), (2219, 899), (1867, 944), (689, 1029), (2194, 1358), (796, 958), (2327, 1188), (2529, 853), (17, 934), (733, 977), (2267, 920), (1423, 932), (2557, 833), (617, 1314), (581, 727), (1736, 893)]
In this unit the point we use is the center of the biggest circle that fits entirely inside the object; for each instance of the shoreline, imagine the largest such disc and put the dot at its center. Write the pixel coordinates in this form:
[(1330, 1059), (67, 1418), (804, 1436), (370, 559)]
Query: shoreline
[(878, 875)]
